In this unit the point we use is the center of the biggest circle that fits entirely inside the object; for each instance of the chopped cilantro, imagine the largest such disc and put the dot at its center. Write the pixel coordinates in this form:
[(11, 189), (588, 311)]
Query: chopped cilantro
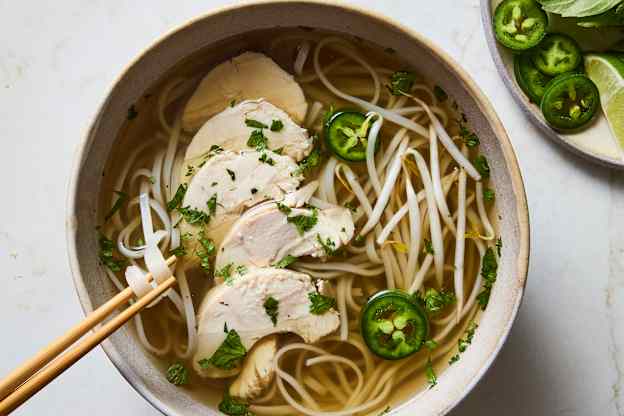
[(283, 208), (310, 162), (489, 269), (225, 272), (106, 255), (271, 306), (351, 207), (232, 407), (440, 94), (303, 222), (232, 174), (122, 197), (279, 151), (329, 246), (463, 343), (499, 246), (194, 216), (228, 355), (264, 158), (285, 262), (241, 269), (132, 112), (179, 251), (319, 304), (208, 249), (190, 170), (431, 344), (277, 125), (482, 166), (258, 140), (431, 375), (255, 124), (401, 82), (435, 301), (177, 374), (470, 138), (488, 194), (212, 204), (178, 197), (232, 103), (428, 247)]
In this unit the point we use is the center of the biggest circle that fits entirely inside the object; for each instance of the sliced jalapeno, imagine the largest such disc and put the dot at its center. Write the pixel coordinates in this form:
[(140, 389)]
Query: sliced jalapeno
[(532, 81), (570, 101), (519, 24), (346, 134), (393, 326), (557, 54)]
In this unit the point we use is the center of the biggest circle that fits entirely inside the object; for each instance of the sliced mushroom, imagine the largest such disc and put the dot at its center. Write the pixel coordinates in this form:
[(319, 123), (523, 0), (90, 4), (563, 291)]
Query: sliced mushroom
[(251, 75), (239, 304)]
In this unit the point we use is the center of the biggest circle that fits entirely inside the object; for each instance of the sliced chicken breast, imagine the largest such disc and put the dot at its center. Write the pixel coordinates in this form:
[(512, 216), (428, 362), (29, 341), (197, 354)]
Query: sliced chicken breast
[(231, 129), (258, 372), (231, 182), (250, 75), (239, 304), (266, 234)]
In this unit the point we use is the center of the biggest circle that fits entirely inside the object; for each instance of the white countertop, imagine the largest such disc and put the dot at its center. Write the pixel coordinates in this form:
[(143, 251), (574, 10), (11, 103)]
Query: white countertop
[(565, 355)]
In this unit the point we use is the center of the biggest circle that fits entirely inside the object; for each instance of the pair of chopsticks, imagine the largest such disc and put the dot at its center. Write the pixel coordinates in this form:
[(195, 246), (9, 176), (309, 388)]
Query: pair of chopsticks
[(37, 372)]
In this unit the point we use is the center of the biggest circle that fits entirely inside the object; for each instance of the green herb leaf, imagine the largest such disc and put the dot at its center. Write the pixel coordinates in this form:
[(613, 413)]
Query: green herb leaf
[(319, 304), (233, 407), (258, 140), (440, 94), (190, 170), (489, 270), (277, 125), (232, 103), (488, 194), (482, 166), (435, 301), (329, 246), (264, 158), (431, 375), (122, 197), (303, 222), (271, 307), (194, 216), (228, 355), (428, 247), (241, 269), (178, 197), (285, 262), (177, 374), (401, 82), (499, 246), (106, 255), (431, 344), (208, 250), (463, 343), (255, 124), (226, 272), (387, 409), (310, 162), (179, 251), (132, 113), (351, 207), (212, 204), (232, 174), (469, 137), (283, 208)]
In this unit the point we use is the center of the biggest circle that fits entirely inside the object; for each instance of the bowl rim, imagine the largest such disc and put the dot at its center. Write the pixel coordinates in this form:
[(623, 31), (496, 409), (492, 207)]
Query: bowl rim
[(482, 101), (523, 102)]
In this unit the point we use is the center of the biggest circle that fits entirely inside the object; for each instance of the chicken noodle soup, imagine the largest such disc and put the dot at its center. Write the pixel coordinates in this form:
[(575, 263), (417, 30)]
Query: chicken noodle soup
[(329, 211)]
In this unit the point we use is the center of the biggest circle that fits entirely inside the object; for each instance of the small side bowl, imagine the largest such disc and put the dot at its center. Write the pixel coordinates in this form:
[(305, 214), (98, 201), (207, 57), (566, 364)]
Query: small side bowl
[(93, 287)]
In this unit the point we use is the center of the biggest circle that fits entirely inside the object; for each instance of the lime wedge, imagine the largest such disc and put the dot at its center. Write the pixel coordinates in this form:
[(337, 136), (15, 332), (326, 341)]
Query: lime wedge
[(607, 72)]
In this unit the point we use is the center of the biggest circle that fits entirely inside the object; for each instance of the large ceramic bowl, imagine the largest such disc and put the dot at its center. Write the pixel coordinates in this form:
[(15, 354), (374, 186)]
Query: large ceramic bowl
[(94, 288)]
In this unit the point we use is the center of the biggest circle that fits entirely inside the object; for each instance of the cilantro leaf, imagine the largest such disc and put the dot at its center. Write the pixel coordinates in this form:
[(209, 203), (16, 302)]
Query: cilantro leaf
[(310, 162), (233, 407), (194, 216), (435, 301), (277, 125), (212, 204), (285, 262), (499, 246), (264, 158), (258, 140), (271, 307), (319, 304), (176, 201), (255, 124), (304, 222), (428, 247), (482, 166), (232, 174), (488, 194), (284, 208), (177, 374), (401, 82), (106, 255), (329, 246), (431, 375), (440, 94), (489, 270), (228, 355), (122, 197)]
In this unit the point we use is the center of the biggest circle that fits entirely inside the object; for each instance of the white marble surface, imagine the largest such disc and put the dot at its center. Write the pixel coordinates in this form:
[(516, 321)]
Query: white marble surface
[(565, 355)]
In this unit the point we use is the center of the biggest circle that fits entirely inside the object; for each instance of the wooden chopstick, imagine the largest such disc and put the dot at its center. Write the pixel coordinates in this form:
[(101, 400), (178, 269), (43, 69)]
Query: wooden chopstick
[(31, 374)]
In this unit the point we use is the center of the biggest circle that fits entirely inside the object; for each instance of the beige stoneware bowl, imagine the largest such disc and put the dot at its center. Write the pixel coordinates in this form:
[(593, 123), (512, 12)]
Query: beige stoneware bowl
[(216, 28)]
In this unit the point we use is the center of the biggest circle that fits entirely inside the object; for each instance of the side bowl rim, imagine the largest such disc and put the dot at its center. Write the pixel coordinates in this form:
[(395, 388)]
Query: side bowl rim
[(469, 84)]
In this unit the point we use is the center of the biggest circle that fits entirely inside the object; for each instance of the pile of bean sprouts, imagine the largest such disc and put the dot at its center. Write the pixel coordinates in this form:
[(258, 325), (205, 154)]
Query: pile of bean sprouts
[(419, 189)]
